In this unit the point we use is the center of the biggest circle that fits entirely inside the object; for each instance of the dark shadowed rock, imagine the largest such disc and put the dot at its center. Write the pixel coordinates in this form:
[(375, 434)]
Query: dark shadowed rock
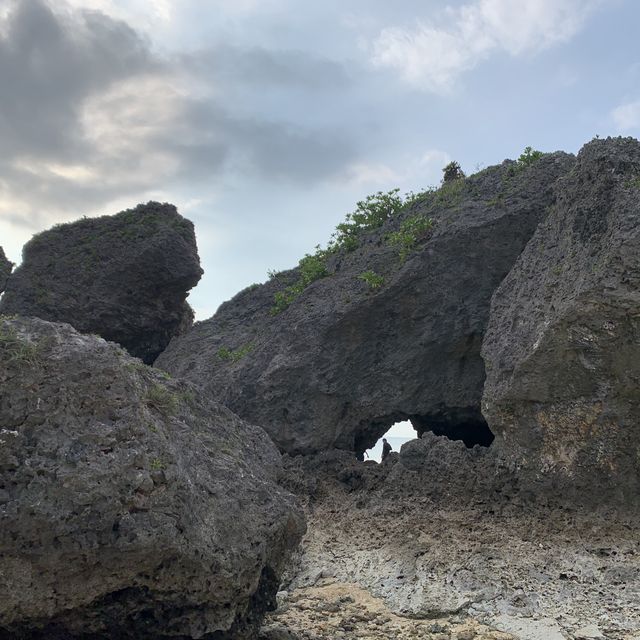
[(124, 277), (5, 269), (129, 506), (563, 344), (347, 359)]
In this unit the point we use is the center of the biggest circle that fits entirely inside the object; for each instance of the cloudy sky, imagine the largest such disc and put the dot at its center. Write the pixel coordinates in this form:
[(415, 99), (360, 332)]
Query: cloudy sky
[(266, 120)]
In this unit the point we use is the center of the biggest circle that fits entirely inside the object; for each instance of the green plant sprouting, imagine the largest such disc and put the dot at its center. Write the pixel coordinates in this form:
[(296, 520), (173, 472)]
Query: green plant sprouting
[(527, 158), (311, 268), (453, 171), (370, 214), (157, 465), (411, 231), (162, 399), (18, 349), (373, 279), (224, 353)]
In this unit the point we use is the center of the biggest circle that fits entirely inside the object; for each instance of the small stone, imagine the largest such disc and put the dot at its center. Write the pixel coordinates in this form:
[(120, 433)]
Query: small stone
[(590, 632)]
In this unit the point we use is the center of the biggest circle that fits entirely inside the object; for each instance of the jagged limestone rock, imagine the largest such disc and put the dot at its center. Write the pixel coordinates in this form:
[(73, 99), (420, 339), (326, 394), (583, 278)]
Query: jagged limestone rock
[(563, 345), (5, 270), (124, 277), (130, 507), (353, 353)]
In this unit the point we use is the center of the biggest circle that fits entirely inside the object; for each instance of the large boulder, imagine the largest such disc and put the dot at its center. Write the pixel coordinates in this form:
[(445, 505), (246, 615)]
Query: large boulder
[(5, 269), (124, 277), (129, 506), (382, 338), (563, 344)]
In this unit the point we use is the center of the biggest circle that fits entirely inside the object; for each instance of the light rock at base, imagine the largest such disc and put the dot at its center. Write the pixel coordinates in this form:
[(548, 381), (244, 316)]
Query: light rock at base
[(130, 507), (124, 277)]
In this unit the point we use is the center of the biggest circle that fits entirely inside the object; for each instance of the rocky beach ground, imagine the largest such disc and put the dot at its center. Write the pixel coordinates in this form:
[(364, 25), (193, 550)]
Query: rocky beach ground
[(386, 556)]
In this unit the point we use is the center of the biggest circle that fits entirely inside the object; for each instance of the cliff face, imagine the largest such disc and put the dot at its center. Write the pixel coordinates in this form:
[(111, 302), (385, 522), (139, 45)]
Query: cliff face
[(129, 506), (124, 277), (385, 336), (563, 344), (5, 270)]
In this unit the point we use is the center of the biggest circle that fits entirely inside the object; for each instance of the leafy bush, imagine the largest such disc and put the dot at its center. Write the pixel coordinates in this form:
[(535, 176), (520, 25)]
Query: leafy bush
[(453, 171), (311, 268), (224, 353), (411, 231), (529, 156), (373, 279), (371, 213)]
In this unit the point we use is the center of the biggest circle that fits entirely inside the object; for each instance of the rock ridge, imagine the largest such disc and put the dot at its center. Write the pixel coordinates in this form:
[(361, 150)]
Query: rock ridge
[(124, 277)]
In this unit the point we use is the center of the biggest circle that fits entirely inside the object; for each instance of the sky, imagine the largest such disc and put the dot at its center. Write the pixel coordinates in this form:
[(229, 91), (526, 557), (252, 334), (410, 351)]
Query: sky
[(265, 121)]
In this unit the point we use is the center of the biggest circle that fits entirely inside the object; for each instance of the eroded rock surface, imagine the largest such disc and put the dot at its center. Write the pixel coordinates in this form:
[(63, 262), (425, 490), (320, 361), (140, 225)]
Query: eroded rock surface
[(563, 344), (129, 506), (449, 534), (124, 277), (5, 269), (348, 357)]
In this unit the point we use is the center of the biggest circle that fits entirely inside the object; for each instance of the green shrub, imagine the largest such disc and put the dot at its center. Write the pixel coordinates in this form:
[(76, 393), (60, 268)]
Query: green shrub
[(528, 157), (633, 183), (19, 350), (224, 353), (371, 213), (450, 192), (373, 279), (452, 172), (411, 231), (162, 399), (311, 268)]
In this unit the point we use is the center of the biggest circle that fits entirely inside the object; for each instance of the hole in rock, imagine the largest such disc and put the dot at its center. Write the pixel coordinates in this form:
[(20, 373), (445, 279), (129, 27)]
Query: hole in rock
[(466, 424), (396, 436)]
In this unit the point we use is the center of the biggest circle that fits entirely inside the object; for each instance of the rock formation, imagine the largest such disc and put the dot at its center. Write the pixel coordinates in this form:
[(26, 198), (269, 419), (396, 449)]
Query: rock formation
[(124, 277), (5, 269), (129, 506), (383, 338), (563, 345)]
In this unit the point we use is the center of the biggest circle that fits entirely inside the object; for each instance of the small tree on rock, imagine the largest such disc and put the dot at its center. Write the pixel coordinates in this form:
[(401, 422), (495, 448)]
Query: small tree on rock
[(452, 172)]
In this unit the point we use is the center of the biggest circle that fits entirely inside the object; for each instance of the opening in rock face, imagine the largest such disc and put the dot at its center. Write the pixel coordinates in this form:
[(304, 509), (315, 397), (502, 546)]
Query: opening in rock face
[(467, 425), (396, 436)]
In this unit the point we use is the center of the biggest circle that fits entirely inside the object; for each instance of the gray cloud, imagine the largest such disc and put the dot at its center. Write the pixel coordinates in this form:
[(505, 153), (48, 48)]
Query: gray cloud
[(90, 114), (257, 67), (49, 65)]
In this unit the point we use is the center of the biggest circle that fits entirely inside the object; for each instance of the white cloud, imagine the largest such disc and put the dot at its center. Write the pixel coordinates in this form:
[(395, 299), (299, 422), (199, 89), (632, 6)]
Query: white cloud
[(627, 116), (412, 173), (432, 56)]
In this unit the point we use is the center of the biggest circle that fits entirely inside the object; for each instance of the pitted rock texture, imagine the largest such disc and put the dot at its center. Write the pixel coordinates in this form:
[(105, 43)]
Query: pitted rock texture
[(129, 506), (563, 345), (443, 532), (5, 269), (345, 360), (124, 277)]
